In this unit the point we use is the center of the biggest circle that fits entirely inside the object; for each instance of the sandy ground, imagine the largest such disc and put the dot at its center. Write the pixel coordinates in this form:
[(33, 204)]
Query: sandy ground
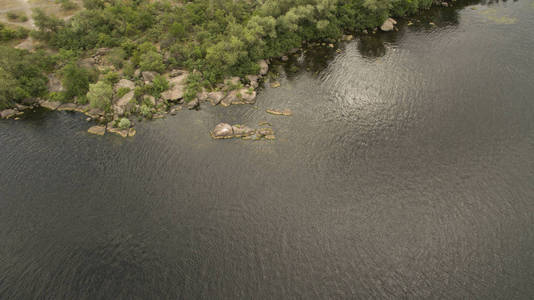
[(26, 6)]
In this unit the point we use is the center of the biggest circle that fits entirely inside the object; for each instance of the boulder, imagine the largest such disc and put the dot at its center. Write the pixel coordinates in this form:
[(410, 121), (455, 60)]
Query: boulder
[(285, 58), (230, 98), (120, 106), (264, 67), (98, 130), (253, 79), (275, 84), (202, 96), (8, 113), (388, 25), (222, 131), (131, 132), (246, 96), (347, 37), (215, 97), (148, 76), (193, 104), (52, 105), (266, 131), (124, 83), (176, 92), (150, 99), (21, 107)]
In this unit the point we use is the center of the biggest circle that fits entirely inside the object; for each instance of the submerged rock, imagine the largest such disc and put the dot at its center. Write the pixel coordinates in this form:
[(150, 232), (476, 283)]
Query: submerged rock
[(241, 131), (227, 131), (275, 84), (388, 25), (285, 112), (98, 130)]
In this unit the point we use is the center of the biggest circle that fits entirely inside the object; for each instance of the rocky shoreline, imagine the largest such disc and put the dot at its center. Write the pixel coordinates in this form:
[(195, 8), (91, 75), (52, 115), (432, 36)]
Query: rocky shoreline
[(234, 91)]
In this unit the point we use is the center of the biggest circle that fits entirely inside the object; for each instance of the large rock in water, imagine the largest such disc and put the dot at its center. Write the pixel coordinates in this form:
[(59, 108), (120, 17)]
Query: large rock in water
[(388, 25), (176, 92), (222, 131)]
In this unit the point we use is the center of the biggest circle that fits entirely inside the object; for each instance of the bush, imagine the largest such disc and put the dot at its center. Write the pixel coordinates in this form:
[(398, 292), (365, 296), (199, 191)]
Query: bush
[(75, 81), (100, 95), (17, 17), (124, 123)]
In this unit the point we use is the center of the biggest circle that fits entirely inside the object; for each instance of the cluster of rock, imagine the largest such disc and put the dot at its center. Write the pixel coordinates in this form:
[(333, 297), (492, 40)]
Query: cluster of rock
[(227, 131)]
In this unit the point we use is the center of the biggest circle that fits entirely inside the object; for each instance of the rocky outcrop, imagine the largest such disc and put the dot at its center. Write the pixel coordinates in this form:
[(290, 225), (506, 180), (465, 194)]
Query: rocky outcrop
[(193, 104), (264, 67), (388, 25), (52, 105), (253, 80), (9, 113), (215, 97), (124, 83), (177, 87), (148, 76), (67, 107), (120, 107), (98, 130)]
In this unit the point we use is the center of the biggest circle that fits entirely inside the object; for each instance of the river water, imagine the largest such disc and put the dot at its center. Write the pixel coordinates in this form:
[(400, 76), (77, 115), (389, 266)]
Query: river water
[(406, 171)]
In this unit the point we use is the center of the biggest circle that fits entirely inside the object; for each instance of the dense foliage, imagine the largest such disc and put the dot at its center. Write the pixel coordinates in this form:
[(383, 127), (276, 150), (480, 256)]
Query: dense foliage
[(215, 37)]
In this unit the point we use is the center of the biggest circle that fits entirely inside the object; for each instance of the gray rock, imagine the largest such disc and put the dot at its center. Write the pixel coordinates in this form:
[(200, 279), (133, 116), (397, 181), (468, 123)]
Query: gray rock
[(246, 96), (202, 96), (120, 106), (193, 104), (176, 92), (148, 76), (388, 25), (285, 58), (215, 97), (67, 107), (222, 131), (21, 107), (137, 73), (253, 79), (229, 99), (264, 67), (124, 83), (52, 105), (98, 130)]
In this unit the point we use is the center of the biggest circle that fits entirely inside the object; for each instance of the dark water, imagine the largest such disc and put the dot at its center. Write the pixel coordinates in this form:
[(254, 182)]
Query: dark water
[(407, 171)]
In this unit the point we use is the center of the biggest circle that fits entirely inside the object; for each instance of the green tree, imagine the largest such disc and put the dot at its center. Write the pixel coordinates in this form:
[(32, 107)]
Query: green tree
[(100, 95), (75, 81)]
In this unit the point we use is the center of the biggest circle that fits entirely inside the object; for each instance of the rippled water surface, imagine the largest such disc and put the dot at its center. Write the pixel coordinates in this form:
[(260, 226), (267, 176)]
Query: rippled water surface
[(406, 171)]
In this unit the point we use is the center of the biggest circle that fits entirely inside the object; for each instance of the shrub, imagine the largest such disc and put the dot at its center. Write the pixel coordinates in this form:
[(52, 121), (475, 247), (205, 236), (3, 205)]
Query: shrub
[(100, 95), (75, 81), (124, 123)]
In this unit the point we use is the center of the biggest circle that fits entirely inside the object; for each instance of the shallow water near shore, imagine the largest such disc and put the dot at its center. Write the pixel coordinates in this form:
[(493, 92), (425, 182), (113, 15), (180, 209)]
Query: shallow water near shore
[(405, 171)]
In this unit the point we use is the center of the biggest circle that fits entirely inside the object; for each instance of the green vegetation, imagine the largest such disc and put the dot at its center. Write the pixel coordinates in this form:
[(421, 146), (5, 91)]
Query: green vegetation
[(124, 123), (8, 33), (17, 17), (100, 95), (216, 38)]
